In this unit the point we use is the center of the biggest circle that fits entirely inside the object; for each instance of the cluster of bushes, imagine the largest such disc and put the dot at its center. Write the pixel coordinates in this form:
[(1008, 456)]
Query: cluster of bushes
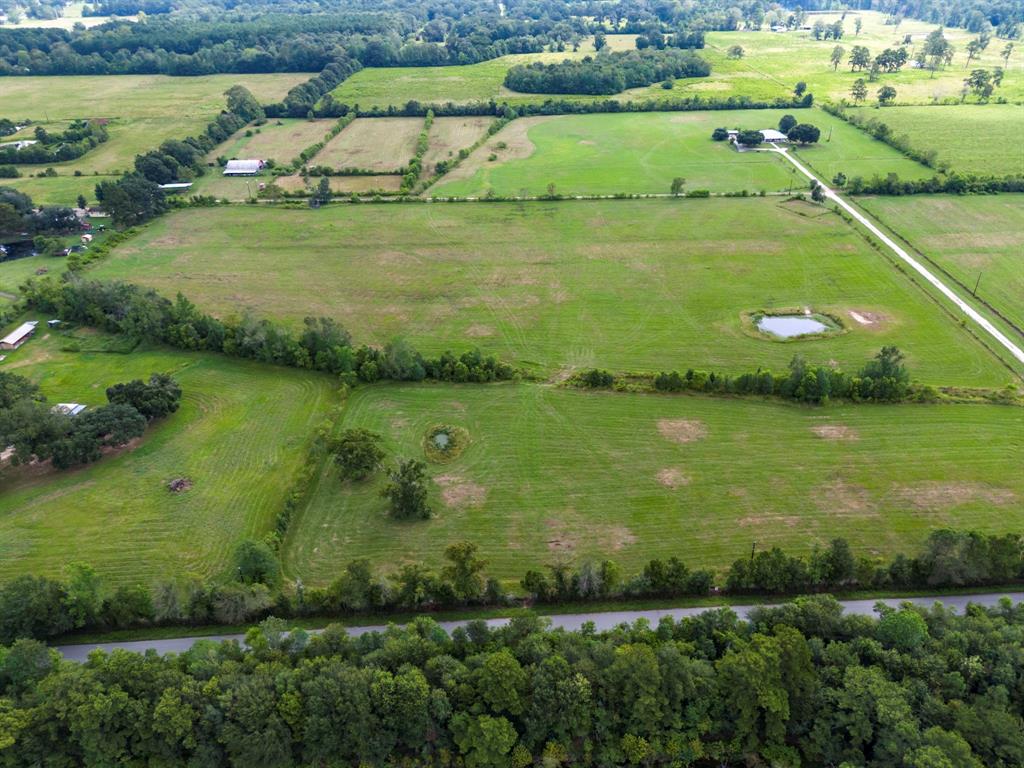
[(20, 216), (323, 345), (415, 166), (606, 74), (302, 99), (37, 432), (79, 138), (801, 684), (953, 183)]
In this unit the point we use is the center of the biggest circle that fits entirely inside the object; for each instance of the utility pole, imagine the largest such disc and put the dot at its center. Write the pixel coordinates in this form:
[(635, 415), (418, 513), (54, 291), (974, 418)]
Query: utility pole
[(753, 546), (974, 293)]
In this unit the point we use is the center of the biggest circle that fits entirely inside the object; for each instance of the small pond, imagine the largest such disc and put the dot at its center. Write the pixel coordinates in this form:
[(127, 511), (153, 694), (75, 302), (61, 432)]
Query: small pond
[(441, 440), (788, 326)]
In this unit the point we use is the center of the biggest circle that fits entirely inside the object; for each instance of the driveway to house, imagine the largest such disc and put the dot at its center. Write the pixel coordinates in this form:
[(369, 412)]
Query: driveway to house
[(568, 621), (918, 267)]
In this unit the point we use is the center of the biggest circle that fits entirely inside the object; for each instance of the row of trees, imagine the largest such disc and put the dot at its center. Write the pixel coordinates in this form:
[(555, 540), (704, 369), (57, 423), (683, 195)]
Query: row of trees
[(322, 345), (607, 73), (38, 607), (37, 432)]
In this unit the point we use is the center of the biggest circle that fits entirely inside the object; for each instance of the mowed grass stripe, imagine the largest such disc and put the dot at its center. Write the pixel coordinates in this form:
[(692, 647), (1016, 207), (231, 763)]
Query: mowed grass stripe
[(240, 436), (559, 474), (627, 285)]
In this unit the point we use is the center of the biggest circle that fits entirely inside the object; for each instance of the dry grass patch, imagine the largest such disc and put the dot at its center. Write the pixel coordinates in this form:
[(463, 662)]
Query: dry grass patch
[(673, 478), (682, 430), (457, 492), (450, 134), (770, 520), (479, 331), (517, 147), (839, 498), (938, 495), (361, 185), (835, 432), (373, 143)]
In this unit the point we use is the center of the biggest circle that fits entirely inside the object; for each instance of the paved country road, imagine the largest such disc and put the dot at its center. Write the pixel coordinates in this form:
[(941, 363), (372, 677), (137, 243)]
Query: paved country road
[(569, 621), (918, 267)]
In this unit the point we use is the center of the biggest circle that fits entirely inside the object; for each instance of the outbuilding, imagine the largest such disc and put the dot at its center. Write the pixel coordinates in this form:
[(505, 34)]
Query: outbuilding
[(774, 137), (19, 335), (243, 167), (177, 186), (68, 409)]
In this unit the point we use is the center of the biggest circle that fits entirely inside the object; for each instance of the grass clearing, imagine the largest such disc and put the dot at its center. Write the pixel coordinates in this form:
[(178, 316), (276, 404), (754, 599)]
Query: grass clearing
[(641, 153), (239, 437), (623, 284), (969, 138), (372, 143), (450, 134), (553, 475), (976, 239), (279, 140)]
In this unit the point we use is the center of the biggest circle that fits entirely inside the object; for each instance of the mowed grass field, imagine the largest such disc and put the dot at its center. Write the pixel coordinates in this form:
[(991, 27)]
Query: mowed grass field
[(142, 111), (450, 134), (979, 240), (608, 154), (381, 144), (969, 138), (554, 475), (278, 139), (623, 284), (239, 436)]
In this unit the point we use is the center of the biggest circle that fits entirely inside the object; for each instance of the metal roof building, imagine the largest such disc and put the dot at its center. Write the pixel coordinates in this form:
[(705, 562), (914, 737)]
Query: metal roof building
[(19, 335), (69, 409), (243, 167), (772, 136)]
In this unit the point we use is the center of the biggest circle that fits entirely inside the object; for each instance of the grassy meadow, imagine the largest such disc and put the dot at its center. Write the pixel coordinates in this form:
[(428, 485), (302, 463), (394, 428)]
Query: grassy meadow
[(556, 475), (969, 138), (279, 139), (607, 154), (142, 111), (622, 284), (975, 239), (239, 436), (380, 144)]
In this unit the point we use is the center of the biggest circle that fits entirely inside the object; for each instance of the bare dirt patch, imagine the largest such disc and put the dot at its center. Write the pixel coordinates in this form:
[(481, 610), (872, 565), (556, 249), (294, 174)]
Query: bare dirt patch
[(835, 432), (839, 498), (479, 331), (457, 492), (673, 478), (866, 319), (682, 430), (937, 495)]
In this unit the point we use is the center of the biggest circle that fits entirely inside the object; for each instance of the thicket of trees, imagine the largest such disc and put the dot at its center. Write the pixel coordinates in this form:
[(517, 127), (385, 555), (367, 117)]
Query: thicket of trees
[(20, 216), (37, 432), (606, 74), (801, 684), (72, 143), (323, 345)]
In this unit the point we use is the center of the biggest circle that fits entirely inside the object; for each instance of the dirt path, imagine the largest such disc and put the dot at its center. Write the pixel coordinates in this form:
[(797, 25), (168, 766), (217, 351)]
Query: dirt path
[(918, 267)]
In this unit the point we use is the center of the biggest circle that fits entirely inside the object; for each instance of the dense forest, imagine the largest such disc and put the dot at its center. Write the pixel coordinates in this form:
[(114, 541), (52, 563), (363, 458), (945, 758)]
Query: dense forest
[(802, 684), (193, 37)]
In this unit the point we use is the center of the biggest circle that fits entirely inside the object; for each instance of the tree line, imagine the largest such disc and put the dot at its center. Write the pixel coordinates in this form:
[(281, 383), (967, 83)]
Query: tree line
[(606, 74), (19, 216), (39, 432), (323, 344), (80, 137)]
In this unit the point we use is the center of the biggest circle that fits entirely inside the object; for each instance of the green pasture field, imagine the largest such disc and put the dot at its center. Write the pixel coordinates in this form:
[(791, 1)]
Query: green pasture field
[(979, 240), (969, 138), (555, 475), (14, 272), (642, 152), (622, 284), (143, 111), (239, 436)]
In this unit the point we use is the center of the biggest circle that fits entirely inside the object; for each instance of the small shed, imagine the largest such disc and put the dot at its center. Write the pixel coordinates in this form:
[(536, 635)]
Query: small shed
[(53, 323), (68, 409), (243, 167), (774, 137), (19, 335)]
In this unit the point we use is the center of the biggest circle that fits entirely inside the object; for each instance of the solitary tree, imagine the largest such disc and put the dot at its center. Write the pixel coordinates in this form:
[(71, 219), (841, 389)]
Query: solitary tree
[(357, 453), (600, 41), (800, 89), (735, 52), (786, 122), (980, 83), (974, 49), (1007, 52), (886, 95), (407, 491), (677, 185), (859, 91), (858, 24), (837, 57), (817, 192), (81, 201)]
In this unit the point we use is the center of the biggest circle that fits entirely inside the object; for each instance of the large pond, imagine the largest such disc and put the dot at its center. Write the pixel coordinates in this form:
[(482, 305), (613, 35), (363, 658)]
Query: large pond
[(788, 326)]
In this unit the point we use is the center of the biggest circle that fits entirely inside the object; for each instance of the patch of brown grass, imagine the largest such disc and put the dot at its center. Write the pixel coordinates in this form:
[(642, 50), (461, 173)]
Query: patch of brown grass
[(479, 331), (682, 430), (835, 432), (457, 492), (673, 478), (938, 495)]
